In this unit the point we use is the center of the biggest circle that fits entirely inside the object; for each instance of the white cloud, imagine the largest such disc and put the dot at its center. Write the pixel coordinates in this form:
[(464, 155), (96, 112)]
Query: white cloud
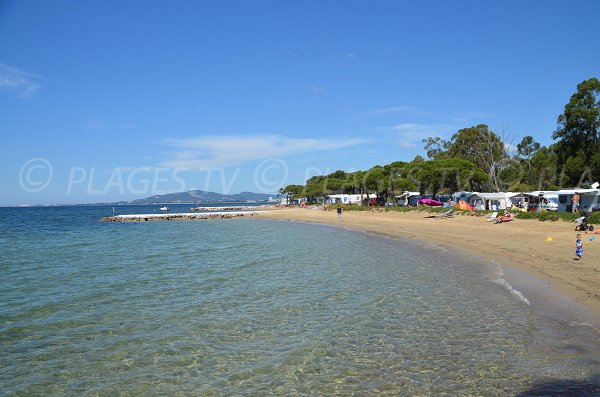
[(23, 83), (407, 145), (419, 131), (211, 152), (411, 135), (317, 88)]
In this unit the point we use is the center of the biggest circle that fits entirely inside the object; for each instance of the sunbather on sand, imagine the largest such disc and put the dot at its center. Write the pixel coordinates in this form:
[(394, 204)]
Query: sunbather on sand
[(505, 217)]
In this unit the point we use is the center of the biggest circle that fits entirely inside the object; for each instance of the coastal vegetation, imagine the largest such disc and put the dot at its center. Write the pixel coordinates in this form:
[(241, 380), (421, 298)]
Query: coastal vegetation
[(550, 216), (477, 158)]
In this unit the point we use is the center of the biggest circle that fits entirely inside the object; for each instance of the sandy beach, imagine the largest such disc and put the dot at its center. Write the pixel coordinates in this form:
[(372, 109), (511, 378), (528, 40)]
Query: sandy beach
[(543, 249)]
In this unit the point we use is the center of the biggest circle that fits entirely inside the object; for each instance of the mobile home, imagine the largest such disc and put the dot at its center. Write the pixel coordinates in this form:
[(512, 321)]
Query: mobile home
[(404, 199), (532, 201), (589, 199)]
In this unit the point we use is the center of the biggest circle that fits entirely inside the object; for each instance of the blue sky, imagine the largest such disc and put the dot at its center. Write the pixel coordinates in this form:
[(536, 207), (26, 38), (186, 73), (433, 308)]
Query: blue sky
[(115, 100)]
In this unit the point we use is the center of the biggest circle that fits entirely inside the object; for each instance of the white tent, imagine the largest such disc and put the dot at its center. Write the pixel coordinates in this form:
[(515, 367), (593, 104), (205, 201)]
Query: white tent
[(347, 198), (490, 201)]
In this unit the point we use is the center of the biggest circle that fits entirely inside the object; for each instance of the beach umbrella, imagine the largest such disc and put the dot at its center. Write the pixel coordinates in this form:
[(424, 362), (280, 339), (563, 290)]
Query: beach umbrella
[(430, 202)]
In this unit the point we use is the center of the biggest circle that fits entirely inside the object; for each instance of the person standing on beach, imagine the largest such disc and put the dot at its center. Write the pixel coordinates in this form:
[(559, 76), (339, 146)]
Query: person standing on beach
[(576, 198), (579, 247), (339, 212)]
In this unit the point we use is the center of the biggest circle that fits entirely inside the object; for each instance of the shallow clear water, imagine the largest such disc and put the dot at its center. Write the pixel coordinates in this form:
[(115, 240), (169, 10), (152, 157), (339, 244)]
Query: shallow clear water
[(257, 307)]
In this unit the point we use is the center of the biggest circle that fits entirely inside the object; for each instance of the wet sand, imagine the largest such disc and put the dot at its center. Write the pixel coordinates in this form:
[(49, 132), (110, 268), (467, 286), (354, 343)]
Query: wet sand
[(543, 249)]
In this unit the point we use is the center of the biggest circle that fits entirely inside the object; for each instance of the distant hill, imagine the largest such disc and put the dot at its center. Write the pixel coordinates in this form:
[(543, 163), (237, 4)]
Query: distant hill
[(200, 196)]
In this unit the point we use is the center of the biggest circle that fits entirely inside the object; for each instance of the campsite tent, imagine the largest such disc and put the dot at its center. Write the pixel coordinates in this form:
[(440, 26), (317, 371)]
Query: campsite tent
[(490, 201), (457, 196), (463, 205)]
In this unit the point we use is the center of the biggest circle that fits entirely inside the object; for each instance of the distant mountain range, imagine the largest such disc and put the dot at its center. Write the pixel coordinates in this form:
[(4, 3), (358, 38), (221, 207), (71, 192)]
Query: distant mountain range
[(200, 196)]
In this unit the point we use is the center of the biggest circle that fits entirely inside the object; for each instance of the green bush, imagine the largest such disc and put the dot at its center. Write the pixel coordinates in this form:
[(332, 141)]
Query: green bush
[(527, 215), (594, 218), (551, 216)]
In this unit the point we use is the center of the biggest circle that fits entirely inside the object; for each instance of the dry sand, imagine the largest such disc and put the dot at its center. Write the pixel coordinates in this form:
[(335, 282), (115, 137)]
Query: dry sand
[(543, 249)]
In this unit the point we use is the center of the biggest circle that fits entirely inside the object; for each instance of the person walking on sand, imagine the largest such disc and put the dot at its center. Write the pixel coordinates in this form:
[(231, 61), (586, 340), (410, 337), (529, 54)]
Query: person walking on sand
[(339, 212), (579, 247), (576, 198)]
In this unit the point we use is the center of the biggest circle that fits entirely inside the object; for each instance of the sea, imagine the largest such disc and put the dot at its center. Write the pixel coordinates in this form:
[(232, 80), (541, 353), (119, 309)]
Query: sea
[(257, 307)]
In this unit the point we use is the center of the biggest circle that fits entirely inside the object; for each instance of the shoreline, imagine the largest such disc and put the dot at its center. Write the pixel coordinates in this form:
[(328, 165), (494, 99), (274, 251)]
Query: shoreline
[(544, 250)]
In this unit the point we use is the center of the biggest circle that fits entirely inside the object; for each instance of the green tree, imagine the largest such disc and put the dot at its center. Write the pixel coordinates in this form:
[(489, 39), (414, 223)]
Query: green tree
[(578, 131), (544, 169), (376, 181), (436, 148), (334, 185), (485, 149), (479, 145), (526, 149), (449, 174), (418, 159), (290, 192), (313, 191), (397, 181)]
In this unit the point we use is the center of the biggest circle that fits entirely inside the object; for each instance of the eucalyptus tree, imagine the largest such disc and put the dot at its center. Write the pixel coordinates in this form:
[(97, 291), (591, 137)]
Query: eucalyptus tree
[(483, 147), (526, 149), (436, 148), (578, 132), (479, 145)]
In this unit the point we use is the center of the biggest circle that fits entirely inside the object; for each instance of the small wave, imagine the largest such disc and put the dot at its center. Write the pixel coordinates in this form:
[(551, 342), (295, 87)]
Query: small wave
[(514, 292), (576, 324)]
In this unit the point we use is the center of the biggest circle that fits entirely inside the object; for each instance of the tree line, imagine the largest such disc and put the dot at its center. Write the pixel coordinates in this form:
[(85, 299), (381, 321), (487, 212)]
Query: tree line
[(479, 159)]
